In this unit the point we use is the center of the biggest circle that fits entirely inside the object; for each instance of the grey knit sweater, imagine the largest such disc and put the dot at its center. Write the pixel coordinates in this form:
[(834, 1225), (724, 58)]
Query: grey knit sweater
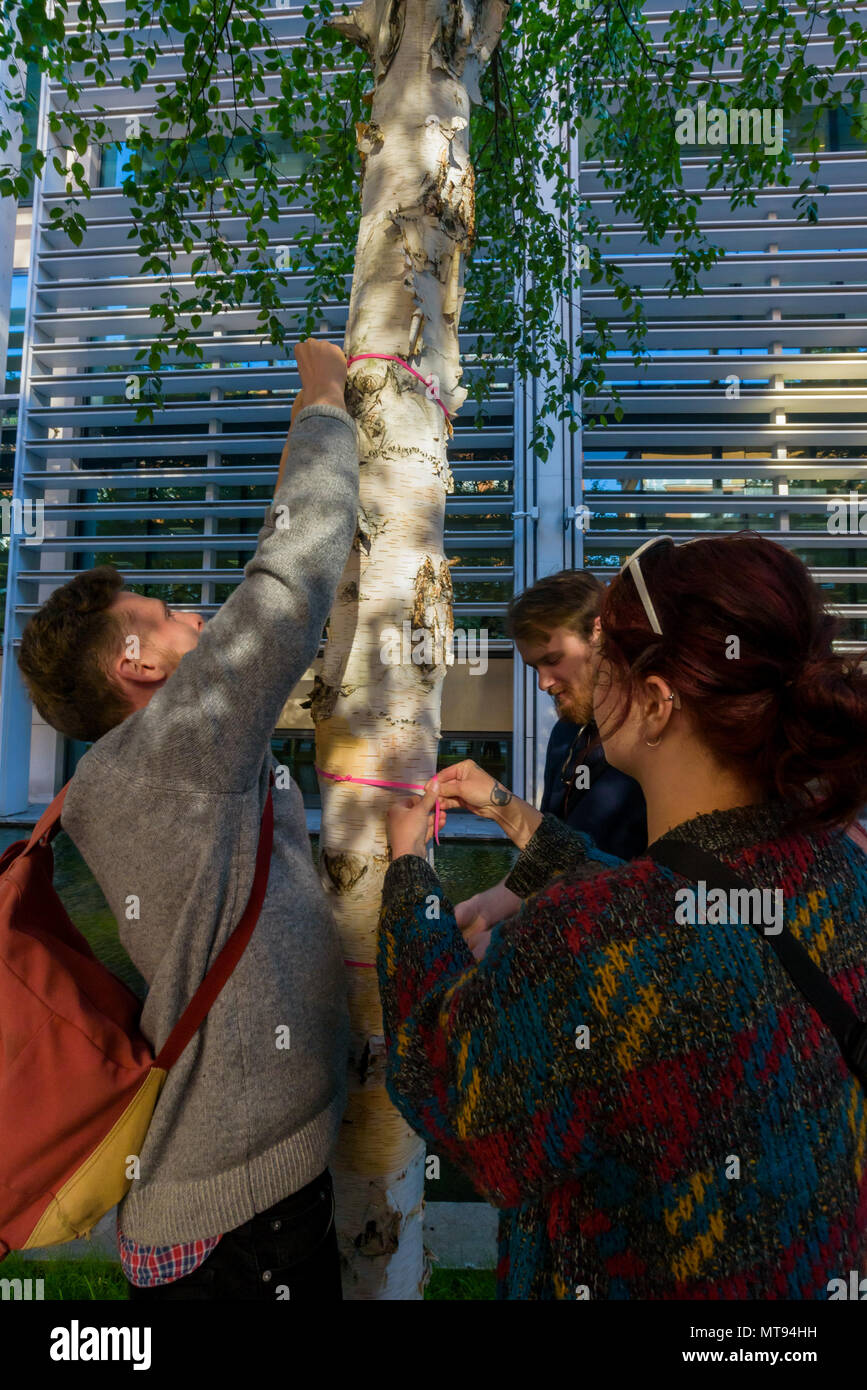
[(166, 807)]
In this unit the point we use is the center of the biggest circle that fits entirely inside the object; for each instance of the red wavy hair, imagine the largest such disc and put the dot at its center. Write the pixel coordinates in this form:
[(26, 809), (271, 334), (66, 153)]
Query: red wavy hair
[(786, 708)]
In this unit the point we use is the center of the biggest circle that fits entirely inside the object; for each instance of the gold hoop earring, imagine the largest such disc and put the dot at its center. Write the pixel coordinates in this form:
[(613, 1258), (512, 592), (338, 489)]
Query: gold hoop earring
[(654, 745)]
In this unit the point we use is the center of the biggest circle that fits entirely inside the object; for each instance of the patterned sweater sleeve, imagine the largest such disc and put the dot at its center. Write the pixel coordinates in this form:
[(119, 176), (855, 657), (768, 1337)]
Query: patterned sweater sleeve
[(485, 1059), (553, 849)]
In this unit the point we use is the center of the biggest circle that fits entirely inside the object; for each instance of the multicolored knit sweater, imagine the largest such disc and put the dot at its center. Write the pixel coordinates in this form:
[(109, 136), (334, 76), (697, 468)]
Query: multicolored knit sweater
[(654, 1107)]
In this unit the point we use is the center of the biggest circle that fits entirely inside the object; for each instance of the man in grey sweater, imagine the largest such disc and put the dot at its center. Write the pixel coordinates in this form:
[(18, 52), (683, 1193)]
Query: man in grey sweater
[(232, 1197)]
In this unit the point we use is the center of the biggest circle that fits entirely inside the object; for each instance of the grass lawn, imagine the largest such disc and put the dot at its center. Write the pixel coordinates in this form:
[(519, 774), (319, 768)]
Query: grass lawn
[(459, 1284), (101, 1280), (91, 1279)]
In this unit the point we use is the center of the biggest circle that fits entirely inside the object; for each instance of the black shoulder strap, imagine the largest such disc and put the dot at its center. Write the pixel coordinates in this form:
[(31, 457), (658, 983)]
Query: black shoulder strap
[(851, 1034)]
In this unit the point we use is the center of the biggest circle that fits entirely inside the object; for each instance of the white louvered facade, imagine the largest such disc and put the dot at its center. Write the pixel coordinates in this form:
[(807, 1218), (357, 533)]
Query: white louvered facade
[(786, 314)]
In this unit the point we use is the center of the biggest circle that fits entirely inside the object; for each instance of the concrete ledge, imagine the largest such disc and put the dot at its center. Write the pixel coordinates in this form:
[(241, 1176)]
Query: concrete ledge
[(101, 1243), (459, 1235)]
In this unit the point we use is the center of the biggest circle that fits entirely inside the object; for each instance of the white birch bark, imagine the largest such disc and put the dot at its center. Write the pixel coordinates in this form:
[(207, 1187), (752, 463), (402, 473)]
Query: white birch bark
[(375, 718)]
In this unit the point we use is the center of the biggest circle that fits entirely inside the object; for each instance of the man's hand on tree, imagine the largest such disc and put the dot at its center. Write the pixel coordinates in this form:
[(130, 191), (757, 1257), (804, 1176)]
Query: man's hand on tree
[(323, 373)]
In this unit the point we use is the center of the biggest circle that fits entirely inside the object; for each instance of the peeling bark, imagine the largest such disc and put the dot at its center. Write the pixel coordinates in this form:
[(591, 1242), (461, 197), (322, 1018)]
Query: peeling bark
[(343, 869), (432, 610), (379, 1238), (371, 1067), (374, 719), (377, 25), (323, 700)]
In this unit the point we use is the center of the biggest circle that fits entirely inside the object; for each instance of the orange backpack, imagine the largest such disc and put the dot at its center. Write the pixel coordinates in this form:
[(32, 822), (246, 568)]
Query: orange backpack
[(78, 1079)]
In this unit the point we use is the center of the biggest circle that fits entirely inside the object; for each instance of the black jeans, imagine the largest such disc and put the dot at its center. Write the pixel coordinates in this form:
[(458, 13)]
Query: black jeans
[(288, 1252)]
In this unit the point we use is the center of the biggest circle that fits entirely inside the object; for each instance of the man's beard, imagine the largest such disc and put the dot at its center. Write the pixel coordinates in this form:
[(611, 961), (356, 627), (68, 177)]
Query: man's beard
[(575, 705)]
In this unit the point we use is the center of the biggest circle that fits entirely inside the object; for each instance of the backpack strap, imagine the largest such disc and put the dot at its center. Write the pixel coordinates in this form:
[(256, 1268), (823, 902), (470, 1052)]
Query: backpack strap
[(48, 824), (849, 1031), (195, 1012)]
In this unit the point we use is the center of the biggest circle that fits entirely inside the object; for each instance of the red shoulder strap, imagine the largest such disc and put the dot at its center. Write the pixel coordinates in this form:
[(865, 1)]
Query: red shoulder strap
[(194, 1014), (49, 822), (197, 1009)]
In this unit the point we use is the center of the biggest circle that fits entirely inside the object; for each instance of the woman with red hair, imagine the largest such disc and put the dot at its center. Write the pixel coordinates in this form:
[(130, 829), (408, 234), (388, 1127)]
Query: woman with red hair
[(629, 1070)]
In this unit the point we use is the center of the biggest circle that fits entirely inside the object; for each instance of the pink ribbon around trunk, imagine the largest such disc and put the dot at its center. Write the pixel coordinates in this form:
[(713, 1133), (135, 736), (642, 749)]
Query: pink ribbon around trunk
[(375, 782), (388, 357)]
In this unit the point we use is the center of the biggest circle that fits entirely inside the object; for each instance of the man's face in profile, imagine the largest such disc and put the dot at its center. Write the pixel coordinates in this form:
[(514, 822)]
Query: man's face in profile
[(566, 666)]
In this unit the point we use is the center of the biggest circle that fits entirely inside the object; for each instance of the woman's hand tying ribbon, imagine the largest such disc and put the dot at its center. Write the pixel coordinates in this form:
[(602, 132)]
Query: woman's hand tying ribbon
[(410, 823)]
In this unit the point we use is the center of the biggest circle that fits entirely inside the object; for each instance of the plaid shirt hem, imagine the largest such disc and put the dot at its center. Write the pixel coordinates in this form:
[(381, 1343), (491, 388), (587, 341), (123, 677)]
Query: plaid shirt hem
[(149, 1265)]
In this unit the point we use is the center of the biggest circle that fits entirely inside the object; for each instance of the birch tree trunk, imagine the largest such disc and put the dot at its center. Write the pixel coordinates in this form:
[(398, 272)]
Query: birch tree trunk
[(377, 716)]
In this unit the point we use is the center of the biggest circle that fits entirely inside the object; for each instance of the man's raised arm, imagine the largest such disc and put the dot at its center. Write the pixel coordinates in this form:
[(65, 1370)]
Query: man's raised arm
[(211, 721)]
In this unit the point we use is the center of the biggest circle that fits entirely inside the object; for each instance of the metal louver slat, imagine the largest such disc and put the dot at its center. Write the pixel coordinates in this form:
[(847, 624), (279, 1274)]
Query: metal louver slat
[(750, 410)]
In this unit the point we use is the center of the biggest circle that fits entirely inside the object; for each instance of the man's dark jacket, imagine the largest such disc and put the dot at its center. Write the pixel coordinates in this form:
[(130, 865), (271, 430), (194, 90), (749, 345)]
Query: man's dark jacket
[(611, 808)]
